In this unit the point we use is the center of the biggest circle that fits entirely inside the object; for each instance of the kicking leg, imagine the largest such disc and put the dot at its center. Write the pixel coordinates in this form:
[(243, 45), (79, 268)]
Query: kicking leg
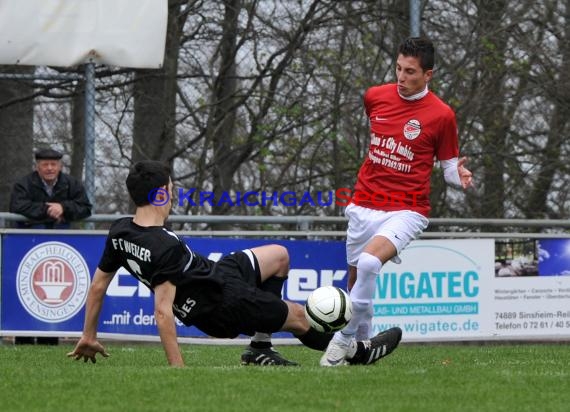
[(379, 250), (273, 263)]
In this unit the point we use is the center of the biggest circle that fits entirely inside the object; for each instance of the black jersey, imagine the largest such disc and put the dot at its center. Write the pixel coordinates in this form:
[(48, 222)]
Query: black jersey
[(154, 255)]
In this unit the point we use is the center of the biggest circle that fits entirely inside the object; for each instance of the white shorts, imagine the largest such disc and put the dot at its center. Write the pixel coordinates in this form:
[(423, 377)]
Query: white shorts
[(400, 227)]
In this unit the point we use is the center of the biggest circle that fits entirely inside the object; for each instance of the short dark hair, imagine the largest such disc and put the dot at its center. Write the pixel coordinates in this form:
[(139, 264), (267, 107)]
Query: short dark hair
[(144, 177), (420, 47)]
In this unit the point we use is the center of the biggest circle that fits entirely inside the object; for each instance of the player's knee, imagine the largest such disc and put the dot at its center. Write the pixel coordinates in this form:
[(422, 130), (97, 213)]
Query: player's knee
[(368, 265), (281, 256)]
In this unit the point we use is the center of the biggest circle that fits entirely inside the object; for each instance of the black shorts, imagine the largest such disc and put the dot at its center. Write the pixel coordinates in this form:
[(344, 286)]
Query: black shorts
[(245, 309)]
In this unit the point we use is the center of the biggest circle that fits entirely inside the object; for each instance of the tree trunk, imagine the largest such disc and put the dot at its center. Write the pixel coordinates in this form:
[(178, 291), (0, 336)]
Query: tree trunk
[(155, 98), (16, 130), (551, 163), (222, 128), (78, 131), (493, 43)]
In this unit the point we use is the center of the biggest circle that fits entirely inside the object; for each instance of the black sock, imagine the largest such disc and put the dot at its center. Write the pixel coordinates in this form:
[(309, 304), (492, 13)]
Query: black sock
[(272, 285), (315, 340), (260, 345)]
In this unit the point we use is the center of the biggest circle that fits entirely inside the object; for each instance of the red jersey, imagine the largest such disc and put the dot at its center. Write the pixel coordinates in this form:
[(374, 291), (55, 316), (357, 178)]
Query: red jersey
[(405, 138)]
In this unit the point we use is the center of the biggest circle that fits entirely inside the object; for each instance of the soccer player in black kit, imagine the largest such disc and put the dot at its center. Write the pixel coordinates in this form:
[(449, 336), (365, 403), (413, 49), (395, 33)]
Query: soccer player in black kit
[(239, 294)]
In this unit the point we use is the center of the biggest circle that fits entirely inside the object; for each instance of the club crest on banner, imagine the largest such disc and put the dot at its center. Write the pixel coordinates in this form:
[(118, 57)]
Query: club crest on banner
[(52, 282)]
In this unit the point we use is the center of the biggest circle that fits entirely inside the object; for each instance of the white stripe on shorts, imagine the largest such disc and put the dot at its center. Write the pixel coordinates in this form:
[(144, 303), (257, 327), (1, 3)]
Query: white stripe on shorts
[(249, 254)]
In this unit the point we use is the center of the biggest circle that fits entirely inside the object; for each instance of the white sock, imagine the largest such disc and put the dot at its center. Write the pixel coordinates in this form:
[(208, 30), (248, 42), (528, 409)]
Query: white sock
[(368, 268)]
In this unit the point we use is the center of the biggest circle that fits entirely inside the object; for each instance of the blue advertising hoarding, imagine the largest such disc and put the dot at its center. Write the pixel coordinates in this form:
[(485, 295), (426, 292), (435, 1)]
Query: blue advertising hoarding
[(442, 290), (45, 278)]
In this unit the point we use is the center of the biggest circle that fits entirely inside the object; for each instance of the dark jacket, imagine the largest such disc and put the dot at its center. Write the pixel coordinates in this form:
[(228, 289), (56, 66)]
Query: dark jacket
[(29, 198)]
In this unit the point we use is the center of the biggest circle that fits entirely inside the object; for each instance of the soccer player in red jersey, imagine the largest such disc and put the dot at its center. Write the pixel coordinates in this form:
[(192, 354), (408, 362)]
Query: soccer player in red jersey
[(409, 128)]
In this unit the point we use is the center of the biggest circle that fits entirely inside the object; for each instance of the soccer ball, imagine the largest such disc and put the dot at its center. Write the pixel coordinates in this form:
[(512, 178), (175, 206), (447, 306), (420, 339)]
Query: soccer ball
[(328, 309)]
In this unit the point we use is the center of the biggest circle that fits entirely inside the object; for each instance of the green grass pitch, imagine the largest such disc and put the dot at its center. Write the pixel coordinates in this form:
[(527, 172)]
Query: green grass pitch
[(500, 377)]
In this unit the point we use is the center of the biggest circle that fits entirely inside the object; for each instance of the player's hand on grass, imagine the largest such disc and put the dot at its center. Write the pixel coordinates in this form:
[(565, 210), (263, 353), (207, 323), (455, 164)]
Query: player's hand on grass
[(87, 350)]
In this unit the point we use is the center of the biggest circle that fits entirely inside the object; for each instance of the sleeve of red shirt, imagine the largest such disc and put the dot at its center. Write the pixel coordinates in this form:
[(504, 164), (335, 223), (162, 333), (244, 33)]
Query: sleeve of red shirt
[(448, 143), (369, 95)]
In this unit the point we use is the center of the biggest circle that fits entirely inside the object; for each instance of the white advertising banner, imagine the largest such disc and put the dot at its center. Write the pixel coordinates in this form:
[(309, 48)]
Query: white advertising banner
[(532, 290), (471, 290), (128, 33), (442, 290)]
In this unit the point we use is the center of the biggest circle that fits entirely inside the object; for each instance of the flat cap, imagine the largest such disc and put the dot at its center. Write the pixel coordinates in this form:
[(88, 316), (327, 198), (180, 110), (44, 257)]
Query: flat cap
[(48, 154)]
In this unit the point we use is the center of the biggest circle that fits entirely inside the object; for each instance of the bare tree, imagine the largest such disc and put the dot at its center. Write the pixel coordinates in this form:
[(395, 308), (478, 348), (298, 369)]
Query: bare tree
[(551, 163), (267, 96)]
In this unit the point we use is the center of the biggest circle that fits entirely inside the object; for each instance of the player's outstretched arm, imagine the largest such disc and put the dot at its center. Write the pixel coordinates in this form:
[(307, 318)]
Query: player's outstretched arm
[(456, 174), (163, 299), (88, 346)]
